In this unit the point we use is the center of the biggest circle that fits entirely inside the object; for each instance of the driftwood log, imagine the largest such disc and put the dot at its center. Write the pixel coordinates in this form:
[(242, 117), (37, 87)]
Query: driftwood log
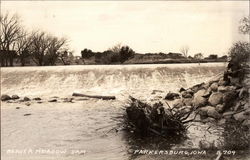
[(93, 96), (155, 120)]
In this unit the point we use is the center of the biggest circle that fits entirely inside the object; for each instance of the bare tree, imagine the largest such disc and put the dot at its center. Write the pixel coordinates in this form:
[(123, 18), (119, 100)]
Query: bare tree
[(45, 48), (56, 47), (9, 33), (116, 48), (184, 50), (40, 43), (22, 46)]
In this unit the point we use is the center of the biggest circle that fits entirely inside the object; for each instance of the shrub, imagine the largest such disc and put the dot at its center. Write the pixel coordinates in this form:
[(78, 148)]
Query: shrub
[(239, 55)]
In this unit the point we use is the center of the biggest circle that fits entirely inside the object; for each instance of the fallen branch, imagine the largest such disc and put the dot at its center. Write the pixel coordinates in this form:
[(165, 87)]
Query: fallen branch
[(93, 96), (145, 119)]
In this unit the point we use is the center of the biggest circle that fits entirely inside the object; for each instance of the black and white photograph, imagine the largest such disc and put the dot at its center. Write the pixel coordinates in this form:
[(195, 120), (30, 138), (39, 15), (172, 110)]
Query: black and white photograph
[(125, 80)]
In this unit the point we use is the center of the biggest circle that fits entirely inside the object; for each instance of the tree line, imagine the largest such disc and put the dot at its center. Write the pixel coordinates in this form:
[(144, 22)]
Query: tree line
[(17, 43), (116, 54)]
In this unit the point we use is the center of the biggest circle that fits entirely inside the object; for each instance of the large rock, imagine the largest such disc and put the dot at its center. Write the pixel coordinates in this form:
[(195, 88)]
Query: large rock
[(246, 123), (187, 101), (215, 98), (199, 100), (52, 100), (228, 114), (229, 99), (26, 99), (207, 93), (182, 89), (172, 96), (186, 94), (37, 99), (240, 116), (210, 112), (222, 121), (213, 113), (223, 89), (214, 86), (5, 97), (219, 108), (177, 103), (15, 97), (197, 87)]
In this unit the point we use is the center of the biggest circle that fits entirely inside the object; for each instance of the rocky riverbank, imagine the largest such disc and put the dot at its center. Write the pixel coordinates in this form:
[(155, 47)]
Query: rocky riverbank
[(223, 101)]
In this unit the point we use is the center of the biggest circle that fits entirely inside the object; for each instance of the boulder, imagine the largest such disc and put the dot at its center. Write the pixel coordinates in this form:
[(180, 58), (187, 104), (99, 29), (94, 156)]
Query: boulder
[(247, 105), (215, 98), (26, 99), (187, 101), (246, 123), (37, 99), (229, 99), (5, 97), (68, 100), (208, 119), (198, 100), (52, 100), (214, 87), (197, 87), (198, 117), (222, 121), (207, 93), (186, 94), (211, 112), (223, 89), (228, 114), (219, 108), (203, 111), (232, 88), (177, 103), (172, 96), (182, 89), (15, 97), (206, 85), (240, 116)]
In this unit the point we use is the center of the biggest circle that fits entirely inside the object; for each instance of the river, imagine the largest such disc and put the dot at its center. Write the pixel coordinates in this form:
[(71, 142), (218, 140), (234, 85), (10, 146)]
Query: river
[(87, 128)]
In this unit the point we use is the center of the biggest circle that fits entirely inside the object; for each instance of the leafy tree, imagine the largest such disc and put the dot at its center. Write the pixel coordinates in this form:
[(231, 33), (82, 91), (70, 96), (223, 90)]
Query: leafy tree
[(245, 25), (87, 53), (212, 56), (198, 56), (125, 53)]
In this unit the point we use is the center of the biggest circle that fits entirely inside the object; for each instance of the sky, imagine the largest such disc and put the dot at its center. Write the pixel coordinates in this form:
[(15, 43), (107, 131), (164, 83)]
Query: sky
[(146, 26)]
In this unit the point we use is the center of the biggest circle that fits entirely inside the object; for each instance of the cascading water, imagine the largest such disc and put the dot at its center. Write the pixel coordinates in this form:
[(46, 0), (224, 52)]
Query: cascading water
[(114, 79)]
